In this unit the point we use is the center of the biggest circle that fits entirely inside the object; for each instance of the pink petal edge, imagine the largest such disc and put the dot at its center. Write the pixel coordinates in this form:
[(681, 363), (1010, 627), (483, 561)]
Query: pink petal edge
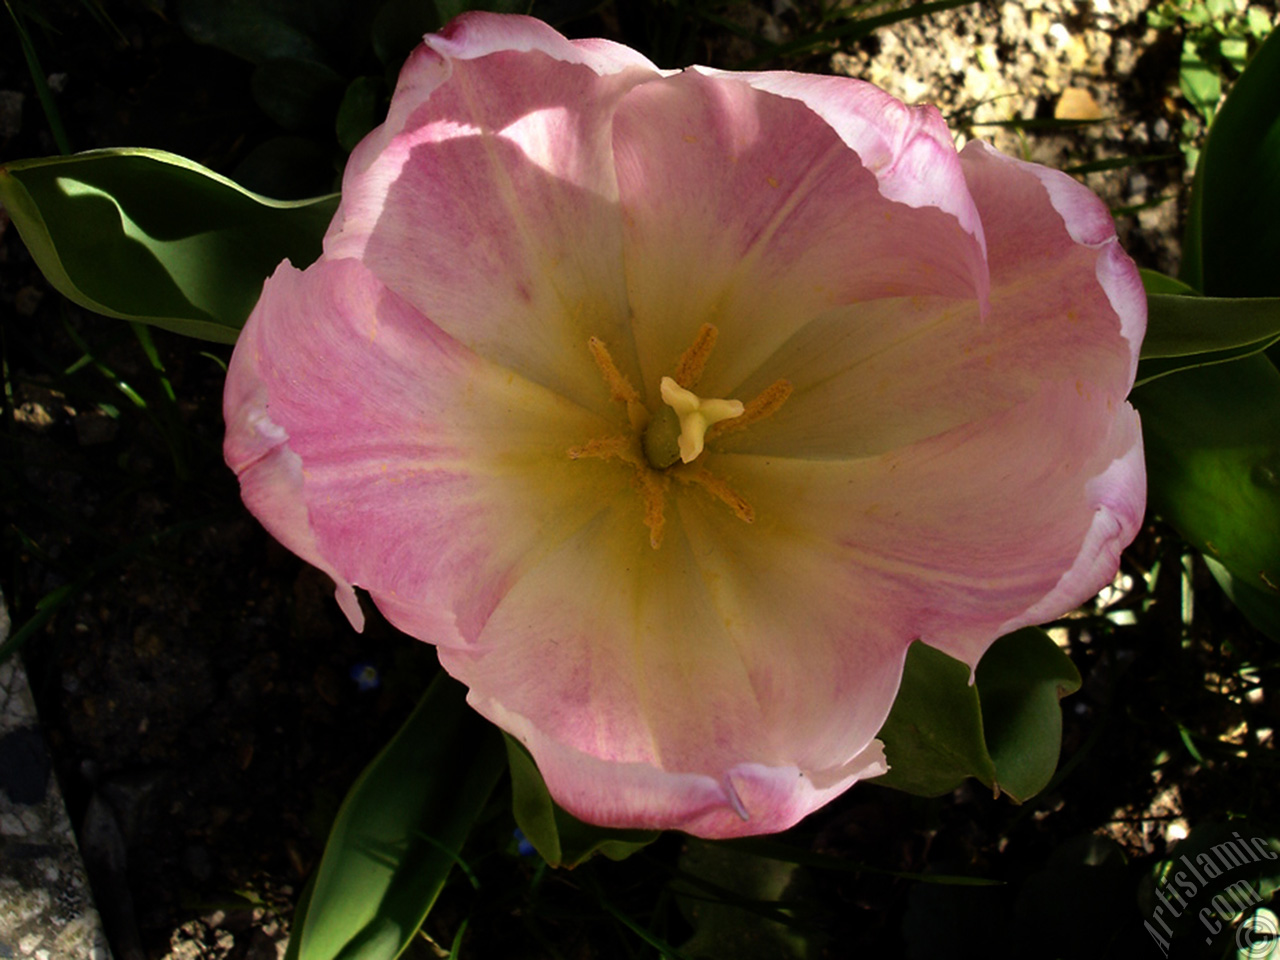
[(1089, 223), (750, 800), (270, 474), (478, 33), (908, 148)]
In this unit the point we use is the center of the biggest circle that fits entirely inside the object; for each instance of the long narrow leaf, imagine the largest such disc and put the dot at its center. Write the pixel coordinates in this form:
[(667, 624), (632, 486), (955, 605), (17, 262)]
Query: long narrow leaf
[(1233, 226), (399, 831), (39, 81), (1180, 326)]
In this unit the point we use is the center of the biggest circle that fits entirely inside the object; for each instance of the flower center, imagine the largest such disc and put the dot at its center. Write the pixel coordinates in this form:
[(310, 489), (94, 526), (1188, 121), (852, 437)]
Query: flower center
[(677, 431)]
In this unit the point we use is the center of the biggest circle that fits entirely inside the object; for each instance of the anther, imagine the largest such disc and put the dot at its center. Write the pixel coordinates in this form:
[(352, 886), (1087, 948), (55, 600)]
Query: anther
[(620, 388), (694, 360), (719, 489), (766, 404)]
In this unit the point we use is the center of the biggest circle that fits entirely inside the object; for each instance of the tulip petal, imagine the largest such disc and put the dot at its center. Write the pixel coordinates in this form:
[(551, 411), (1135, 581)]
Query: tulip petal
[(1011, 196), (459, 472), (652, 692), (270, 473), (972, 533), (500, 181), (909, 149), (642, 796), (1065, 304), (783, 216)]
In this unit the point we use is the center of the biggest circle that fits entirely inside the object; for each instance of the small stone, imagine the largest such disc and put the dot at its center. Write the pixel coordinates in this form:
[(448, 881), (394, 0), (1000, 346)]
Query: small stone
[(1076, 104)]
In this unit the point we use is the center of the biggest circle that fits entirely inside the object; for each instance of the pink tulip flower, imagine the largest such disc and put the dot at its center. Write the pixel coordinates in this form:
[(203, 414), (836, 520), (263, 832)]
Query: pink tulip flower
[(673, 406)]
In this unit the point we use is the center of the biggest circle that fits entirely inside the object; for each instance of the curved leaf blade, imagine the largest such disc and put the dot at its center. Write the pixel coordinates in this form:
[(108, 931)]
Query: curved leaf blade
[(1153, 281), (1260, 608), (150, 236), (399, 831)]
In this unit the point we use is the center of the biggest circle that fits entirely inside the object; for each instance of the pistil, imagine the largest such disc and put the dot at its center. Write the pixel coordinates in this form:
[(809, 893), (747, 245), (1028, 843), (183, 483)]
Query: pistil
[(693, 417)]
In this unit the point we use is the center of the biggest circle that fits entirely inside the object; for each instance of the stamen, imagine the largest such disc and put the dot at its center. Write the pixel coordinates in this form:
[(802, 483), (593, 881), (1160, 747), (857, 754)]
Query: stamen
[(603, 448), (653, 485), (620, 387), (690, 420), (694, 360), (766, 404), (718, 488), (653, 491)]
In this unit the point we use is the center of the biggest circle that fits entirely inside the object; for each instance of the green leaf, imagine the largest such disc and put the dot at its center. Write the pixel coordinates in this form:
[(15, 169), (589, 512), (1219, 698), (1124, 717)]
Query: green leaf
[(731, 899), (1192, 331), (1201, 84), (1233, 228), (150, 236), (361, 109), (1257, 22), (1235, 50), (1005, 730), (260, 30), (297, 94), (933, 737), (399, 831), (1212, 438), (1260, 608), (1153, 281), (561, 838), (39, 79), (1020, 680)]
